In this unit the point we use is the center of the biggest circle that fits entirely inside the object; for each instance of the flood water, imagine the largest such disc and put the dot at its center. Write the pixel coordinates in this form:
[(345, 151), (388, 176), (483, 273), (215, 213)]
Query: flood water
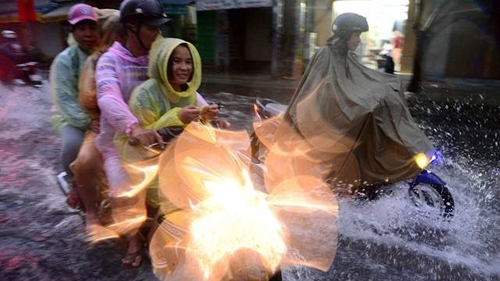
[(386, 239), (390, 239)]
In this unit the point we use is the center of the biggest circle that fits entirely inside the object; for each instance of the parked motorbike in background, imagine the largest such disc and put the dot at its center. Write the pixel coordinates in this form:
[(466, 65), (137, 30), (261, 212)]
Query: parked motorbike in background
[(425, 190), (17, 65)]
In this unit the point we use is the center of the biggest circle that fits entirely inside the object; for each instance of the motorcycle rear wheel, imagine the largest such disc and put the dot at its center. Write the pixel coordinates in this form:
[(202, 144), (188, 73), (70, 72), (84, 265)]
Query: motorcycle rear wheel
[(434, 196)]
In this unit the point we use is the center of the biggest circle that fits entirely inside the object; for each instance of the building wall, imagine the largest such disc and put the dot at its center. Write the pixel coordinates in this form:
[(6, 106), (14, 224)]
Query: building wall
[(321, 12), (258, 25), (206, 32), (242, 37), (408, 52), (292, 39), (473, 52), (436, 57), (461, 42), (49, 45)]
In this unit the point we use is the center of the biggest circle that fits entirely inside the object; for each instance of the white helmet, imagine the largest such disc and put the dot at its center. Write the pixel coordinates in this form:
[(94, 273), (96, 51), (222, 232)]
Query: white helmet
[(9, 34)]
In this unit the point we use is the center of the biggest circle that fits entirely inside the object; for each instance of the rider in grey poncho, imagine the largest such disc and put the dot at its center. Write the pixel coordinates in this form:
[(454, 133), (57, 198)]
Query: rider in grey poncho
[(355, 120)]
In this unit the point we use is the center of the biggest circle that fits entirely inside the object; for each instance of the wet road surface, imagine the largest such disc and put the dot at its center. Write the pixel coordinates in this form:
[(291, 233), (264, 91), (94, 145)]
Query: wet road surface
[(388, 239)]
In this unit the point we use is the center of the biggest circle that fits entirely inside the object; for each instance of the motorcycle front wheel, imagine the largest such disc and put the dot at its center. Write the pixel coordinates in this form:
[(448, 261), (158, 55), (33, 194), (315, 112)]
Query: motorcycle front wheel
[(434, 196)]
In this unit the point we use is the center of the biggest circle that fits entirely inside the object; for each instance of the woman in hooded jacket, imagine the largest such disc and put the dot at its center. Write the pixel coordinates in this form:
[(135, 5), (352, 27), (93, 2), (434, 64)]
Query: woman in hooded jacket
[(170, 98)]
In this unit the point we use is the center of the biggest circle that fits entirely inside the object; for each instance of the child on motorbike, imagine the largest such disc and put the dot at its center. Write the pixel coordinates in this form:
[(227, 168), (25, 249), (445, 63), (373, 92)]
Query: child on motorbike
[(70, 119), (353, 121), (118, 72)]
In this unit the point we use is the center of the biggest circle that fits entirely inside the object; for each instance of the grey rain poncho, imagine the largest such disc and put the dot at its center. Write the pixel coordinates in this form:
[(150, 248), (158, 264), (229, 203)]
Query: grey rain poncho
[(354, 121)]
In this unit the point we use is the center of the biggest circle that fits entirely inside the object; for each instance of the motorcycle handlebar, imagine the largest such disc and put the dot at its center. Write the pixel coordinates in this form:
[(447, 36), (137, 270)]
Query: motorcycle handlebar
[(170, 133), (167, 134)]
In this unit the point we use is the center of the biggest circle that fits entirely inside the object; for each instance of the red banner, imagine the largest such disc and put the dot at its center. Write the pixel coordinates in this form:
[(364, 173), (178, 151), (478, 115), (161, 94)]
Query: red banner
[(26, 10)]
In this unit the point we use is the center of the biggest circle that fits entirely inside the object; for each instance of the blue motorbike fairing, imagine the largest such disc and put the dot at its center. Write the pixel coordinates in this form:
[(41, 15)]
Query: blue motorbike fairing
[(427, 178)]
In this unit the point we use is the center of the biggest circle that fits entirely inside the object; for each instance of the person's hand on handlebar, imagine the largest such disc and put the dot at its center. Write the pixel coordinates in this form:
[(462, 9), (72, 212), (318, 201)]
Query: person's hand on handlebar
[(210, 112), (189, 114), (145, 137)]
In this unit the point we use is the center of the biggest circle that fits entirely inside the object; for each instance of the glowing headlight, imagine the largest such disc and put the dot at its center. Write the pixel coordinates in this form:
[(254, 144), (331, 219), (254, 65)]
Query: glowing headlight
[(422, 160)]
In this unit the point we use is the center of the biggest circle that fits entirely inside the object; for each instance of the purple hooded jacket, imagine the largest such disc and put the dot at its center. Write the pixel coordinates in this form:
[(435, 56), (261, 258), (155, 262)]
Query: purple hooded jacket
[(118, 72)]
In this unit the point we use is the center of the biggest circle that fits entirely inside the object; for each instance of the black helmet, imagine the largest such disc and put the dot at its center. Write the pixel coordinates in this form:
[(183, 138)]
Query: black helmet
[(147, 12), (345, 24)]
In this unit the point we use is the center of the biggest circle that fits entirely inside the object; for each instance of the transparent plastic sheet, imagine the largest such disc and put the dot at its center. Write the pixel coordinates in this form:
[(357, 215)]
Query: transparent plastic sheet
[(128, 202), (219, 226)]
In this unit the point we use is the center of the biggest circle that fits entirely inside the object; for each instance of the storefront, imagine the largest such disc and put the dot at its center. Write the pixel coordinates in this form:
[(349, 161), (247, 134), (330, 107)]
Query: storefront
[(183, 15), (237, 35)]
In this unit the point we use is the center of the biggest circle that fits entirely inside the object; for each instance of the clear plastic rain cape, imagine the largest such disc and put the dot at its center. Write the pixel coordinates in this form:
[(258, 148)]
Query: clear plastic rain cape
[(218, 225)]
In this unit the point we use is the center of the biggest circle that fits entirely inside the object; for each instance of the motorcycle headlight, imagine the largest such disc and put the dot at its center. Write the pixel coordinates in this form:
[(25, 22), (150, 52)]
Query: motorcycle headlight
[(423, 161)]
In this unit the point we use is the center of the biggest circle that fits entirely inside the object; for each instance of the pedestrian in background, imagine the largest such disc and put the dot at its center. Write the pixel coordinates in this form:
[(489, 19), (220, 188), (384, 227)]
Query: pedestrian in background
[(70, 119)]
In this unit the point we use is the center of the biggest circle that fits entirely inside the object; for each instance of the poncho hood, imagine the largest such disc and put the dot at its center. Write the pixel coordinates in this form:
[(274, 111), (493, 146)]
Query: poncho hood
[(160, 53), (118, 49)]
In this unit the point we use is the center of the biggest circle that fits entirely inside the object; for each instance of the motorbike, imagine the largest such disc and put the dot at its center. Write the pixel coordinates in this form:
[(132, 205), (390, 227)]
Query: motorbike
[(168, 134), (425, 190), (227, 167), (17, 65)]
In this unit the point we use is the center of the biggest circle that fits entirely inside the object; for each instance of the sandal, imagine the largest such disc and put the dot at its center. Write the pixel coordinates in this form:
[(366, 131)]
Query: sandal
[(130, 258)]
